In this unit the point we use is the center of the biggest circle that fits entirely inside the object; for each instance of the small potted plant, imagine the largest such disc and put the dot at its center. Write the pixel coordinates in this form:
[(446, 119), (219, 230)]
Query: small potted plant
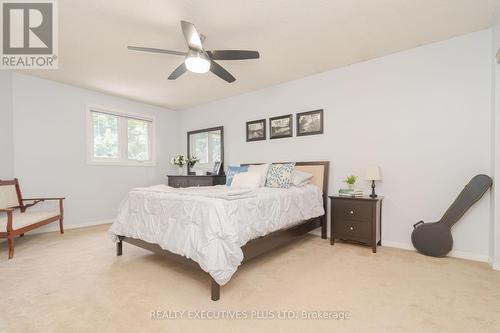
[(179, 160), (350, 181)]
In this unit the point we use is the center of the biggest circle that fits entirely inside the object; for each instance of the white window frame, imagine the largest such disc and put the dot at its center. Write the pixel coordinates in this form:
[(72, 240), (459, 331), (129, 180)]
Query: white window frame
[(122, 159)]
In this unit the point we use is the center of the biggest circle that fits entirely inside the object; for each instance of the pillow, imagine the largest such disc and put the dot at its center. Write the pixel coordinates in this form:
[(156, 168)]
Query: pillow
[(261, 170), (301, 184), (280, 175), (301, 178), (246, 180), (233, 170)]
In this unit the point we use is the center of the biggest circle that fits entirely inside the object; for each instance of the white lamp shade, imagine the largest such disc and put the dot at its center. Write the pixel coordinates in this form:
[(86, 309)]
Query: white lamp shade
[(373, 173)]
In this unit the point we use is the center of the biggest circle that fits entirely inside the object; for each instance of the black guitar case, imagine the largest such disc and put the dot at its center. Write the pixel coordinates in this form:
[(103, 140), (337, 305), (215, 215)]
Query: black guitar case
[(435, 239)]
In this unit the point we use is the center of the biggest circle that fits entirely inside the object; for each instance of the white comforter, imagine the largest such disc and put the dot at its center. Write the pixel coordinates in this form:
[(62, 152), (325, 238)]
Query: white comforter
[(209, 225)]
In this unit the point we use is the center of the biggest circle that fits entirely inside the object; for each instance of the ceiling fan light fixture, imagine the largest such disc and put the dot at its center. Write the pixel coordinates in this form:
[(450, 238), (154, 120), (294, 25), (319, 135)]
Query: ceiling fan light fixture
[(197, 62)]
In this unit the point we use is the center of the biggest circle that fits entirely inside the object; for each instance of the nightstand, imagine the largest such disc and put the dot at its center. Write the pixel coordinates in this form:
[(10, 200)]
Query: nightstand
[(357, 220)]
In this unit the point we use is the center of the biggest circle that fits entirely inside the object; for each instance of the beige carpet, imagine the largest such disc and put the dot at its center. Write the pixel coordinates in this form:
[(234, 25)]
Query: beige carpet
[(75, 283)]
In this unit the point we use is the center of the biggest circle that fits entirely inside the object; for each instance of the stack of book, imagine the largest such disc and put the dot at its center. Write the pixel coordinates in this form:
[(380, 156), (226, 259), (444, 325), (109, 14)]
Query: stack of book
[(350, 193)]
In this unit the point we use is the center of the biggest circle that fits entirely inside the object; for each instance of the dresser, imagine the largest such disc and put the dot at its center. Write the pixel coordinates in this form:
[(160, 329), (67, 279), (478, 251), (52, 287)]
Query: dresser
[(357, 220), (188, 181)]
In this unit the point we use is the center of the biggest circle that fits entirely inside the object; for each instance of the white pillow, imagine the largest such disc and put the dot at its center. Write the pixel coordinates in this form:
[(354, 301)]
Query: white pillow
[(261, 170), (301, 178), (246, 180)]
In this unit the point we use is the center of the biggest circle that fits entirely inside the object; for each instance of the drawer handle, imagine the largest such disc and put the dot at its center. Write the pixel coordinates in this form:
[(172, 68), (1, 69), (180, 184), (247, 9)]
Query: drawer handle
[(351, 228), (351, 212)]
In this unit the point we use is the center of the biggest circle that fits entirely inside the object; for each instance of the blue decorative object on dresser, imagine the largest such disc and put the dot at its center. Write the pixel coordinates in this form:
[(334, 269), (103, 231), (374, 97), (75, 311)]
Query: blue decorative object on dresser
[(233, 170)]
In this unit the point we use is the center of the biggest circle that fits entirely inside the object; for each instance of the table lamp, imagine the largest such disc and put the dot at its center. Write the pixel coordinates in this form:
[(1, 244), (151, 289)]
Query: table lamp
[(373, 174)]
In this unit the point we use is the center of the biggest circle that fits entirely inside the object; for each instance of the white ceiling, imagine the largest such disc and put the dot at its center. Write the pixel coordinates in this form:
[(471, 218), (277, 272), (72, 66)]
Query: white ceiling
[(295, 38)]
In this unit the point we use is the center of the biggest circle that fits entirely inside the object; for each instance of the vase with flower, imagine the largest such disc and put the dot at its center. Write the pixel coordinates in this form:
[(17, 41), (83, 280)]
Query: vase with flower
[(179, 160)]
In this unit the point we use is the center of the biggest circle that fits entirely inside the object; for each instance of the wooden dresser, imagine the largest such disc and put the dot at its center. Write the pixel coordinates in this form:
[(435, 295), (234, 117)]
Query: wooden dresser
[(356, 219), (188, 181)]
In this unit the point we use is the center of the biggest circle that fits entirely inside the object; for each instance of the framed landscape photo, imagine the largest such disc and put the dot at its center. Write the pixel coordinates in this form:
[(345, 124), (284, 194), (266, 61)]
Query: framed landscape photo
[(256, 130), (310, 123), (280, 127)]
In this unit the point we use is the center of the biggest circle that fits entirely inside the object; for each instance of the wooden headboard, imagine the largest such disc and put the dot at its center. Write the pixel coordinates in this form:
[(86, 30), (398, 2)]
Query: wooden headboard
[(319, 170)]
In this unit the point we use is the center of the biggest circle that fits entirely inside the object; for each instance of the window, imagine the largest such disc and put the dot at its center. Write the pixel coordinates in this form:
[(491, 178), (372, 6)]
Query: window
[(119, 139)]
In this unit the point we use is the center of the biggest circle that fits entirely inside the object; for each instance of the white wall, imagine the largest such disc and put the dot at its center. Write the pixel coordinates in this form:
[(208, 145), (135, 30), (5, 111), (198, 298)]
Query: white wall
[(6, 138), (423, 115), (494, 251), (50, 148)]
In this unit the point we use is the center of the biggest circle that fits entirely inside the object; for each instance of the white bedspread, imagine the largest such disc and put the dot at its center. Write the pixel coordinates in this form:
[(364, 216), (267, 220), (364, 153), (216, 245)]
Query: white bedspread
[(209, 225), (219, 191)]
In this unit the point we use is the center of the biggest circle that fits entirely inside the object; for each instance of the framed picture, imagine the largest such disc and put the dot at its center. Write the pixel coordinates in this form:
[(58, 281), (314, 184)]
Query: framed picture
[(216, 168), (310, 123), (256, 130), (280, 127)]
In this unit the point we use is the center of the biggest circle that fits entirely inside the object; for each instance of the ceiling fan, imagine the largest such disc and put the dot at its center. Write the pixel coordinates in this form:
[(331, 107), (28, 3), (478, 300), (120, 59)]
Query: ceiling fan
[(197, 60)]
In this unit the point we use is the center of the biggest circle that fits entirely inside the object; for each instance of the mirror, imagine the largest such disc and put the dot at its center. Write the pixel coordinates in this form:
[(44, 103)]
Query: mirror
[(208, 146)]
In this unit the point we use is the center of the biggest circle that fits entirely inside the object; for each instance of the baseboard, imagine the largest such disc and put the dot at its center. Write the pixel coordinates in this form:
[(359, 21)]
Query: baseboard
[(55, 226), (398, 245), (455, 254), (493, 264)]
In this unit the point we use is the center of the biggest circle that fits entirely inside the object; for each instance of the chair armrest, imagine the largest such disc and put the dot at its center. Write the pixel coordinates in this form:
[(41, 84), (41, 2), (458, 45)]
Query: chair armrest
[(37, 200)]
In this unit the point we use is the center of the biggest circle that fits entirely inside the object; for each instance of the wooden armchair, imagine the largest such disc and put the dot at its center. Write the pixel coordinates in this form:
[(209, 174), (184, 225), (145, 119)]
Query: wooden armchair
[(15, 220)]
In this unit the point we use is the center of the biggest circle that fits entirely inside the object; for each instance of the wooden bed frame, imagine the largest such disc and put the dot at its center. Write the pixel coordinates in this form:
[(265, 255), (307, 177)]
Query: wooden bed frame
[(260, 245)]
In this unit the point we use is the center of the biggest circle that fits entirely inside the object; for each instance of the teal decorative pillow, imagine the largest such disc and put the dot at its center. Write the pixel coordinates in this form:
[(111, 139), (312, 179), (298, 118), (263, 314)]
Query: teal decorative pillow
[(233, 170), (280, 175)]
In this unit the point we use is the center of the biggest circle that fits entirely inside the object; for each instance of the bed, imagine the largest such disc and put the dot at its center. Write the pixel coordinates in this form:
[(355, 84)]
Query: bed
[(216, 229)]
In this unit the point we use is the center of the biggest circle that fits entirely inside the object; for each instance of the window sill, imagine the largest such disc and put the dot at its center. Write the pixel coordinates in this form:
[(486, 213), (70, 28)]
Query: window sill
[(122, 163)]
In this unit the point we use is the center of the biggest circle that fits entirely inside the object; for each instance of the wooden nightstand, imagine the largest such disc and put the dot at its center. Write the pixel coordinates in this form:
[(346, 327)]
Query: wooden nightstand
[(356, 219)]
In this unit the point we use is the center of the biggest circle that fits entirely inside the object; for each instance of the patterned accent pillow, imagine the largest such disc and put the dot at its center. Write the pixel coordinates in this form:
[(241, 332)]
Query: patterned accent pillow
[(280, 175), (233, 170)]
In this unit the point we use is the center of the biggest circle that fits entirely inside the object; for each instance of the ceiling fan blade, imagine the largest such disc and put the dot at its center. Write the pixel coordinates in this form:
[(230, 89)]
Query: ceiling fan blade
[(221, 72), (191, 35), (153, 50), (178, 72), (233, 54)]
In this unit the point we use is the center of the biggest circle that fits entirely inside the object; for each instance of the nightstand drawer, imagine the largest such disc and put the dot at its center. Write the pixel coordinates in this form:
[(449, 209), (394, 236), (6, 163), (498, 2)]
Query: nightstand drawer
[(353, 210), (352, 230)]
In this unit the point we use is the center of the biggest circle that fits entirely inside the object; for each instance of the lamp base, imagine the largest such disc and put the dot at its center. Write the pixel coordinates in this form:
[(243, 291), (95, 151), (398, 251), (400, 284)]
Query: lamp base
[(373, 195)]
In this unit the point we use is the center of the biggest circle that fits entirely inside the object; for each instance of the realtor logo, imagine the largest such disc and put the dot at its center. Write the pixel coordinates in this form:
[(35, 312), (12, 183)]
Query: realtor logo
[(29, 35)]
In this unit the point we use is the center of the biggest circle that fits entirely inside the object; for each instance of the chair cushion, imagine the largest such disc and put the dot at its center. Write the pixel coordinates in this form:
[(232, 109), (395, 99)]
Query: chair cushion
[(20, 220)]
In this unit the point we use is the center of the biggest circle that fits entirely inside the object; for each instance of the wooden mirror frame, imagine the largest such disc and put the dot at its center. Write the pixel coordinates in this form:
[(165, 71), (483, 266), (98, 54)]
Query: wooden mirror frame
[(210, 129)]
